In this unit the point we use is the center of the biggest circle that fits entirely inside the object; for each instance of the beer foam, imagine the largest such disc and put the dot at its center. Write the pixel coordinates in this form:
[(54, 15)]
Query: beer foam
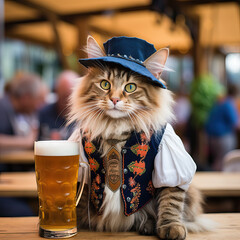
[(56, 148)]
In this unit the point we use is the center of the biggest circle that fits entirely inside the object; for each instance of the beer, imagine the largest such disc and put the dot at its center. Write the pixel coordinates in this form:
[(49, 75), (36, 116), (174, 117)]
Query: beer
[(56, 166)]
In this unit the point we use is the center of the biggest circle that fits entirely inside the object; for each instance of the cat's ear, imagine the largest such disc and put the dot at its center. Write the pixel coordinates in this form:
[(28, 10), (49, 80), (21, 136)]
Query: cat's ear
[(156, 63), (93, 49)]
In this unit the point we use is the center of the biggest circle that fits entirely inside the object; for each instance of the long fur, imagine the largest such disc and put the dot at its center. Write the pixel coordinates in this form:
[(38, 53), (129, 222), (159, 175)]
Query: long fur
[(98, 124), (173, 211)]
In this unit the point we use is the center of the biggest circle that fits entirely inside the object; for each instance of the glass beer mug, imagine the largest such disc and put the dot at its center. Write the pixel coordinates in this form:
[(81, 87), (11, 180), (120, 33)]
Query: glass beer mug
[(56, 166)]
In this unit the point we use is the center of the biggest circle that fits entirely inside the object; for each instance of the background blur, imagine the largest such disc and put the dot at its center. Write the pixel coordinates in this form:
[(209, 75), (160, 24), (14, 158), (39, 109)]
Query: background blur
[(46, 38)]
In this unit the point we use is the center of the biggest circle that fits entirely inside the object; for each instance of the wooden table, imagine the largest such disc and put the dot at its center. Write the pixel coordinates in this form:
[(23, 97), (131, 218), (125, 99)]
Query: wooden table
[(20, 184), (21, 156), (212, 184), (218, 184), (228, 227)]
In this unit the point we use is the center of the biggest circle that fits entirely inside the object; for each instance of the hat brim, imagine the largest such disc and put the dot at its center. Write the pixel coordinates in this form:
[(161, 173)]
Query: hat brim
[(132, 65)]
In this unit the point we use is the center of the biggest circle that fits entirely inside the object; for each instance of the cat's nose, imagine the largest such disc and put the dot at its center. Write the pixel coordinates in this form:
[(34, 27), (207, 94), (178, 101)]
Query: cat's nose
[(115, 100)]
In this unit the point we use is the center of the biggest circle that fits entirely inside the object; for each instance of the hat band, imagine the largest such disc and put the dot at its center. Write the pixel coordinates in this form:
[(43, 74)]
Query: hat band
[(130, 58)]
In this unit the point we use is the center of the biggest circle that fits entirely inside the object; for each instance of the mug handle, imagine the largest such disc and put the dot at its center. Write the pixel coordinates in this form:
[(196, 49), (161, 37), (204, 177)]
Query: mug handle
[(82, 182)]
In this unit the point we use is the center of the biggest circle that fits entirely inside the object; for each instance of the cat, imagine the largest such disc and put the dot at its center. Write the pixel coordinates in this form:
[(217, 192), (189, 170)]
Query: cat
[(110, 105)]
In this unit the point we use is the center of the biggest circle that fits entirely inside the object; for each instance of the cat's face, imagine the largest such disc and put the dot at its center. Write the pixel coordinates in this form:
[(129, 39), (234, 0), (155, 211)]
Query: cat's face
[(111, 98), (118, 93)]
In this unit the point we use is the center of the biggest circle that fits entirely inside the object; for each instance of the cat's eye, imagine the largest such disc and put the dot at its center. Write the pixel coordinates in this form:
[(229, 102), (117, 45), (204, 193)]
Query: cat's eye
[(105, 84), (131, 87)]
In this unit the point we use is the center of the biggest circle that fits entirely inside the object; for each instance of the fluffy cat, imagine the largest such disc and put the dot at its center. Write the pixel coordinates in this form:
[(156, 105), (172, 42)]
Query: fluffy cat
[(109, 104)]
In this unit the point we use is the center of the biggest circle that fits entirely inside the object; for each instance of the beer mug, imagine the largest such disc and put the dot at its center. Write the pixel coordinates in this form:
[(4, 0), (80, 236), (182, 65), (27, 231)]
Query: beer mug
[(56, 166)]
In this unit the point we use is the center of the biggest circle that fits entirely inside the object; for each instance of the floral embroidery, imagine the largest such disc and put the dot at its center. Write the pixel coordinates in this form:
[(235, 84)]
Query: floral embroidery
[(98, 179), (89, 147), (95, 187), (140, 150), (143, 137), (132, 182), (94, 165), (137, 168), (136, 195), (150, 188)]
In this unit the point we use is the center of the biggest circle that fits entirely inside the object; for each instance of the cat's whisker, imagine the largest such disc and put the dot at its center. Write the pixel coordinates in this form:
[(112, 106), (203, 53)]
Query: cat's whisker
[(97, 112), (140, 112), (143, 111), (143, 125), (132, 123), (134, 128), (79, 112), (88, 111), (93, 121), (90, 116), (140, 108), (136, 111), (86, 114), (136, 120), (142, 119), (144, 115), (99, 115), (88, 105)]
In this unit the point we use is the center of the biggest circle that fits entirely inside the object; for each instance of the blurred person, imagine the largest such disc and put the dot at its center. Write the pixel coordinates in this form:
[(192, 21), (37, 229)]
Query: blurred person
[(237, 103), (24, 94), (203, 93), (43, 96), (234, 91), (221, 127), (18, 112), (53, 117)]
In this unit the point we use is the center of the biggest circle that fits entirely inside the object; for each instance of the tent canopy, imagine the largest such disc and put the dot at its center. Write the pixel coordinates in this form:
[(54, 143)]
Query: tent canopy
[(40, 20)]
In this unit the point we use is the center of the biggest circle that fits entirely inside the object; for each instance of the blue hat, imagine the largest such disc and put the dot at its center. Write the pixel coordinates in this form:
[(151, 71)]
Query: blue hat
[(129, 53)]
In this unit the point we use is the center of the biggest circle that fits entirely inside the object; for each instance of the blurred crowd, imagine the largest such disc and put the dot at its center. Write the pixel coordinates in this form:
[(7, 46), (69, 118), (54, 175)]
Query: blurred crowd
[(28, 114), (208, 121)]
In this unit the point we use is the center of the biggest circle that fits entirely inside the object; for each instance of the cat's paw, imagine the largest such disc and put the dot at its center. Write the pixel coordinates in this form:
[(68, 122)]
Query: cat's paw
[(173, 231)]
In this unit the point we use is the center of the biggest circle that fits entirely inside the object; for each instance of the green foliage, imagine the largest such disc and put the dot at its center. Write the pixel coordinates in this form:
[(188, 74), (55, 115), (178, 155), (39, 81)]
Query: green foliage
[(203, 94)]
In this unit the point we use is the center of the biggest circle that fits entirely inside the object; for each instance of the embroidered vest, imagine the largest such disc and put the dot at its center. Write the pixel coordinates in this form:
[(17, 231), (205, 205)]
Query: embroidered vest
[(137, 165)]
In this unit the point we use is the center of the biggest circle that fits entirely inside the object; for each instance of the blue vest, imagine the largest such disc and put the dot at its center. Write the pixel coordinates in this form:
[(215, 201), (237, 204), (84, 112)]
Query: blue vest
[(137, 165)]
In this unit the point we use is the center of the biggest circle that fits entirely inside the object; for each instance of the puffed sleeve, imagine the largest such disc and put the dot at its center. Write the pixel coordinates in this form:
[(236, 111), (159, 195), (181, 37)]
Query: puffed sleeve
[(173, 166)]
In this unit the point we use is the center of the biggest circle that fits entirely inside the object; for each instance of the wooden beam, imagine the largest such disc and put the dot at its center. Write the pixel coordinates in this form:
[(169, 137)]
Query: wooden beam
[(53, 19), (54, 22), (72, 18), (35, 6), (83, 31), (200, 2)]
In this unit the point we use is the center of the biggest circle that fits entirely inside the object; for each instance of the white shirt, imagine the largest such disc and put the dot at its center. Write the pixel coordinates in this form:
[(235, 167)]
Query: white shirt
[(173, 166)]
